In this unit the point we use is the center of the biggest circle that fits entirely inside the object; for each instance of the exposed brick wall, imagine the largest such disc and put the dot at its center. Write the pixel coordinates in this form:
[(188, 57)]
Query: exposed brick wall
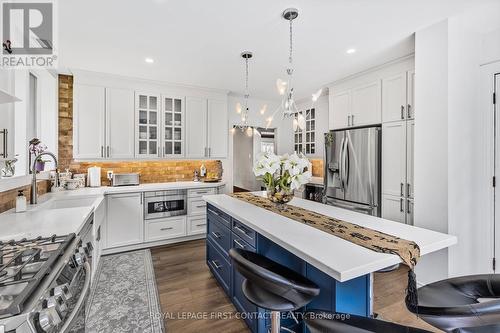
[(8, 198), (317, 167), (65, 141)]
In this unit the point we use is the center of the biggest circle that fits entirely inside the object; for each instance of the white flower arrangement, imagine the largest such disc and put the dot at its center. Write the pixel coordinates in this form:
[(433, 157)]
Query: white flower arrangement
[(283, 174)]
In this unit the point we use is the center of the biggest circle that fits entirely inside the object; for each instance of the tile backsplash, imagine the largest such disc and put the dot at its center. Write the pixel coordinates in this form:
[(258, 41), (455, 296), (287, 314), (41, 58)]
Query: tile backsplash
[(151, 171), (317, 167), (8, 198)]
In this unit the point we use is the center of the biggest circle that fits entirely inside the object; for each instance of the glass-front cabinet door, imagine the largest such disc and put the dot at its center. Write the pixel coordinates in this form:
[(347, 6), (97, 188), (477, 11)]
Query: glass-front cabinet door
[(147, 125), (173, 126)]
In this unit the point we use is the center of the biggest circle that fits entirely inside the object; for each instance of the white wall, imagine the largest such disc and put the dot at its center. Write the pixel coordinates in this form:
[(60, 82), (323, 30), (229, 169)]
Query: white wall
[(452, 171), (431, 142)]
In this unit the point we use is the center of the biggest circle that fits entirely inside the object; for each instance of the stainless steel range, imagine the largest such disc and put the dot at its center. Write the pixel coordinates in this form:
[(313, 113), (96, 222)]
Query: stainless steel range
[(45, 283)]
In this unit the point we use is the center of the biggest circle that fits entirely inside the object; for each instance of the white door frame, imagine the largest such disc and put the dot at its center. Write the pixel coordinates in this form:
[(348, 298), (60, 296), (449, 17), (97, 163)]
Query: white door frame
[(490, 74)]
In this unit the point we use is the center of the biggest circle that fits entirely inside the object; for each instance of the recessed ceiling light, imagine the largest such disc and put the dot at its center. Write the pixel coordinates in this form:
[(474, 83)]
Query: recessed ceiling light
[(149, 60), (351, 51)]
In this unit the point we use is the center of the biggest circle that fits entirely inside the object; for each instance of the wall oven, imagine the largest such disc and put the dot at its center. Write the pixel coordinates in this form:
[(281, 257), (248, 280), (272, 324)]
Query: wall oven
[(160, 204)]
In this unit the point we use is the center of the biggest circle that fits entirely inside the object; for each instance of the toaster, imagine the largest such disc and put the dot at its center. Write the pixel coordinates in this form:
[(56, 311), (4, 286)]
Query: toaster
[(125, 179)]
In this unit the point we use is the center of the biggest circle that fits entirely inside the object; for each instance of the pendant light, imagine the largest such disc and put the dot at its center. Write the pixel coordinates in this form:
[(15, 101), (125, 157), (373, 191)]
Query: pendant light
[(243, 109), (288, 107)]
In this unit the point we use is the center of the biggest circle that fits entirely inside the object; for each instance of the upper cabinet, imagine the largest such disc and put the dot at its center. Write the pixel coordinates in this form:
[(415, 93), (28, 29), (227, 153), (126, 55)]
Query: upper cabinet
[(141, 120), (357, 106), (217, 128), (398, 97), (147, 125), (366, 103), (103, 122), (89, 122), (207, 128), (119, 123)]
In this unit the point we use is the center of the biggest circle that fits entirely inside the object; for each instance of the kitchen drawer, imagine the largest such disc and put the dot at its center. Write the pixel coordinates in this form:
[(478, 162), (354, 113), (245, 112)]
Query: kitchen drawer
[(197, 225), (219, 266), (194, 193), (197, 206), (219, 234), (239, 243), (160, 229), (244, 232), (222, 217)]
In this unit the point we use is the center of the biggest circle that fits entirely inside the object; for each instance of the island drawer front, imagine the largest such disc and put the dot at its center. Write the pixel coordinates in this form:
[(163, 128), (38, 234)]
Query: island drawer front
[(219, 235), (240, 243), (196, 206), (219, 215), (219, 266), (200, 192), (245, 232)]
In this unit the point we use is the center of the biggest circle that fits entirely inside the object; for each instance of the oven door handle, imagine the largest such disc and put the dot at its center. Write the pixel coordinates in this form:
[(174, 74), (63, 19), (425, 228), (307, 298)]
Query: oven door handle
[(81, 300)]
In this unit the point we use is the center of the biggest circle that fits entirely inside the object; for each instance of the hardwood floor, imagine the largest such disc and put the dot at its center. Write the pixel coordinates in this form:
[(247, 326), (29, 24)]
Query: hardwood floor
[(186, 287)]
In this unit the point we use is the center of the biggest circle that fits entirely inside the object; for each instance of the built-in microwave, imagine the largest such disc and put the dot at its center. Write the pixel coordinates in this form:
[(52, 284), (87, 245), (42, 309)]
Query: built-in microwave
[(160, 204)]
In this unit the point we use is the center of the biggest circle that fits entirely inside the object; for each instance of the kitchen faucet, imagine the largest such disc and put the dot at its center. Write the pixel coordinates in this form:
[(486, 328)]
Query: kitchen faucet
[(34, 194)]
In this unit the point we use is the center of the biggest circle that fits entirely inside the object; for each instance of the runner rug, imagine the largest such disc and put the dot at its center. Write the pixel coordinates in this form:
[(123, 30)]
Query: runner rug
[(408, 251)]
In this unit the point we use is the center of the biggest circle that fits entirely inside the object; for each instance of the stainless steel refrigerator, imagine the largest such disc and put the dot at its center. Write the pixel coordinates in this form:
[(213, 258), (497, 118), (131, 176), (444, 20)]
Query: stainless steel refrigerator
[(353, 169)]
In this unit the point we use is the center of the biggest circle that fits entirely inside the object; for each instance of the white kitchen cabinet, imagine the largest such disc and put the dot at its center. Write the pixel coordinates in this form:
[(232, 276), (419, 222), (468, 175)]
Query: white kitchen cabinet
[(394, 158), (340, 109), (166, 228), (172, 137), (196, 225), (410, 157), (394, 97), (89, 122), (119, 123), (393, 208), (410, 85), (125, 224), (398, 97), (147, 117), (218, 134), (103, 123), (207, 128), (366, 104), (196, 127)]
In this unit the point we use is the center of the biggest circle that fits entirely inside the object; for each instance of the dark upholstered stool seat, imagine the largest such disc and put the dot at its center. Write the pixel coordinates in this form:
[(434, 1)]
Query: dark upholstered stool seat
[(482, 329), (270, 285), (327, 322), (461, 302)]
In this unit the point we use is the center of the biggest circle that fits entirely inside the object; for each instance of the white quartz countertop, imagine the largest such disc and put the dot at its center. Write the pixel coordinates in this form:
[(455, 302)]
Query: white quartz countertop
[(43, 220), (336, 257)]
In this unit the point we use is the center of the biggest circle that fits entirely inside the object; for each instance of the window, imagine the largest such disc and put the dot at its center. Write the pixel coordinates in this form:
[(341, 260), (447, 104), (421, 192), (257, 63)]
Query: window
[(305, 139)]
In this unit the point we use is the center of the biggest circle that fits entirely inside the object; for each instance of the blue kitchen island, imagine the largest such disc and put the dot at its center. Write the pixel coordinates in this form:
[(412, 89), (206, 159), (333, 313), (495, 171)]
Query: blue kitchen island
[(341, 269)]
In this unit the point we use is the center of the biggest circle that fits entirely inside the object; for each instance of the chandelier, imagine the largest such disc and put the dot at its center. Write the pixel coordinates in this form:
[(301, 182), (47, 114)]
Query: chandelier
[(288, 107), (243, 109)]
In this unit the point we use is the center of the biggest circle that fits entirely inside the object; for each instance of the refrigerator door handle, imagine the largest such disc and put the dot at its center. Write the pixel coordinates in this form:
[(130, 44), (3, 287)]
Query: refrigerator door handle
[(343, 161), (341, 169), (347, 161)]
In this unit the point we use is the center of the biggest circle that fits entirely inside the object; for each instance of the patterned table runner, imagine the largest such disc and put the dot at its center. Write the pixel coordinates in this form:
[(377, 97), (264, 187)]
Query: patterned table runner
[(408, 251)]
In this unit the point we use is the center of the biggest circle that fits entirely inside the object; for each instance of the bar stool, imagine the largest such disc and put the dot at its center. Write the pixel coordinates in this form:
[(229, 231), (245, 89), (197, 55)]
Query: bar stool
[(272, 286), (329, 322), (461, 304)]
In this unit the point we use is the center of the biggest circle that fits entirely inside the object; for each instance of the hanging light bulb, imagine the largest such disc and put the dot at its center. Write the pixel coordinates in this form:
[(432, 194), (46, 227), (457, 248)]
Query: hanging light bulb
[(301, 121), (249, 131), (295, 124), (238, 108)]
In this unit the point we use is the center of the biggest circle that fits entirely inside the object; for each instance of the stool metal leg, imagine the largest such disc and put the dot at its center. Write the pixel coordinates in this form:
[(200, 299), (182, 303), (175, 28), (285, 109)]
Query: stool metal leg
[(275, 322)]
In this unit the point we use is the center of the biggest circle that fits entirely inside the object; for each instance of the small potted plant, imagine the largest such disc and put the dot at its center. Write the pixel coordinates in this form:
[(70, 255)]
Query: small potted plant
[(36, 147), (9, 168), (282, 175)]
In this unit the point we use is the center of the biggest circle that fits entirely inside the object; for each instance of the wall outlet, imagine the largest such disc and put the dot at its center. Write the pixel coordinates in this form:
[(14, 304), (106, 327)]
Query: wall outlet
[(110, 174)]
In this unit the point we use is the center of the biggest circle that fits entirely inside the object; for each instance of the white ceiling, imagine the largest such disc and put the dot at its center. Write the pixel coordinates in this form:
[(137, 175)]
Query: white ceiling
[(198, 42)]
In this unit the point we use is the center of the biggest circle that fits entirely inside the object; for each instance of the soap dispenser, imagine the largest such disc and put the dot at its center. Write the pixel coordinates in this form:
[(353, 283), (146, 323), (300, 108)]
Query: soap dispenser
[(203, 171), (20, 202)]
